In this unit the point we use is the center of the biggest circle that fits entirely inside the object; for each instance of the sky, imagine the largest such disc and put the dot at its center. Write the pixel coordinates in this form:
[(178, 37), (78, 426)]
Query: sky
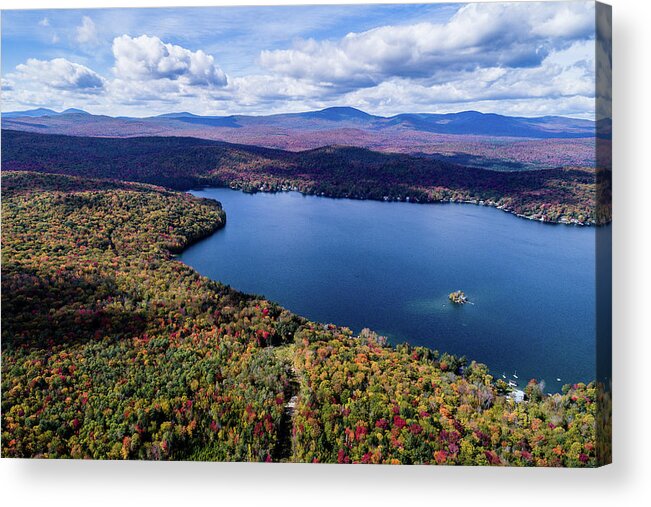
[(522, 59)]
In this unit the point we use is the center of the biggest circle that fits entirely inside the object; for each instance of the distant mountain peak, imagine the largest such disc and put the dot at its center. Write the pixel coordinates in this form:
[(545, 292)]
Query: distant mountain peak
[(30, 113), (471, 112), (42, 111), (74, 110), (339, 112), (343, 109), (181, 114)]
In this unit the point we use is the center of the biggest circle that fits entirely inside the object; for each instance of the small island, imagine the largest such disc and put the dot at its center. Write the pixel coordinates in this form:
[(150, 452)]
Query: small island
[(458, 297)]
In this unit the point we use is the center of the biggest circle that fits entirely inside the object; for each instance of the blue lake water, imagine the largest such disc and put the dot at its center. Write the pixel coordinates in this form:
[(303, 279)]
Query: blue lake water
[(390, 267)]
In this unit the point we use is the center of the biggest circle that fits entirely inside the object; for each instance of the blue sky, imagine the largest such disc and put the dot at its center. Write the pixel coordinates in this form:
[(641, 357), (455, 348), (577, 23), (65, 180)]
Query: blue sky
[(526, 59)]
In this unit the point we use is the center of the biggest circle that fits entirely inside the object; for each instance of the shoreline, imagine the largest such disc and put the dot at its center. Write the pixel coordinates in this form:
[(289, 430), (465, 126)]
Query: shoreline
[(553, 387), (475, 202)]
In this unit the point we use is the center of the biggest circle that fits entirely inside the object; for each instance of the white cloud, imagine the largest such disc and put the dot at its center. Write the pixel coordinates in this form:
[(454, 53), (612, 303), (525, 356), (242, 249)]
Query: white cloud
[(479, 35), (259, 89), (495, 57), (564, 77), (57, 83), (149, 76), (397, 96), (572, 20), (60, 74), (86, 33), (7, 85), (148, 58), (161, 93)]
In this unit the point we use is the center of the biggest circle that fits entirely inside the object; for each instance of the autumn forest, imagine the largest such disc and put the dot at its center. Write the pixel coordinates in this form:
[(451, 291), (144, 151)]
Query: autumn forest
[(113, 349)]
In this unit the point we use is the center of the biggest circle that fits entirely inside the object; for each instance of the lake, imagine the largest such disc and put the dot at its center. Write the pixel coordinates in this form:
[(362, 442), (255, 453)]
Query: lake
[(390, 266)]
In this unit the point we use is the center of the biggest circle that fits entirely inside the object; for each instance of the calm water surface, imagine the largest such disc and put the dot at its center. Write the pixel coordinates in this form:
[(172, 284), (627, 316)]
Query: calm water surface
[(391, 266)]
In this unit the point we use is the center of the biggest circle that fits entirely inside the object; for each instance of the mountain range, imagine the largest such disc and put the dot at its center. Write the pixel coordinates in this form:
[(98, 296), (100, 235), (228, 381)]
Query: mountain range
[(468, 138), (40, 112), (463, 123)]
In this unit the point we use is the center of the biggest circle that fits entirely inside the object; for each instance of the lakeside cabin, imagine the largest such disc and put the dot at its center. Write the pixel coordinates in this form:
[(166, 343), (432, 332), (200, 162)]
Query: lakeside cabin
[(516, 395)]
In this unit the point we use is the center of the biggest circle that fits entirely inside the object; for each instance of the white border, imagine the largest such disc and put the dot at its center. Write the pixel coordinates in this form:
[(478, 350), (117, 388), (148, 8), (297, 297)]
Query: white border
[(627, 482)]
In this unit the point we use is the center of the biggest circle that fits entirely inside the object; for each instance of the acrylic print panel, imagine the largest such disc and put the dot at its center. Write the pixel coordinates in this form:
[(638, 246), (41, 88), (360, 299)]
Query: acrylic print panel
[(370, 234)]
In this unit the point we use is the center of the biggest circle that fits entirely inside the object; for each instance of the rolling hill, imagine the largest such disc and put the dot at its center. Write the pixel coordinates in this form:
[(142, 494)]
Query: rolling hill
[(469, 138), (555, 195)]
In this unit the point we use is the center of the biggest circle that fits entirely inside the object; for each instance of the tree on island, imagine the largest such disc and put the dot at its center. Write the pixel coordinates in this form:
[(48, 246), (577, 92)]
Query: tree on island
[(458, 297)]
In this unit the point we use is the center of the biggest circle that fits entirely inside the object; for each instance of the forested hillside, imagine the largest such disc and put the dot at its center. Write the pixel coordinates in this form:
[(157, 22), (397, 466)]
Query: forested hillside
[(113, 349), (555, 195)]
